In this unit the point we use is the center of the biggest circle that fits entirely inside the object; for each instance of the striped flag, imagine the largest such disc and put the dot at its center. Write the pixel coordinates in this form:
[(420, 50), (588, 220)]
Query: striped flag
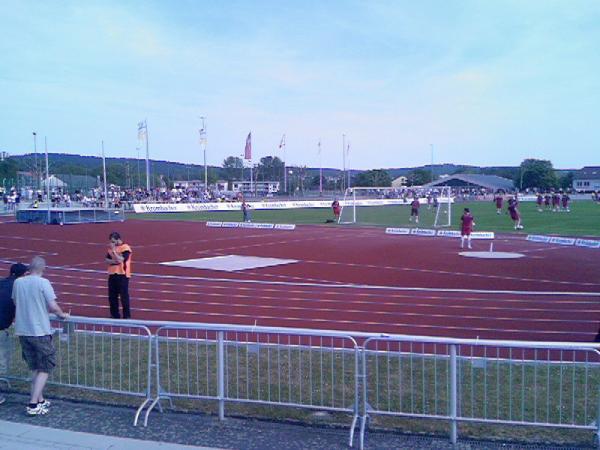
[(248, 148), (142, 129)]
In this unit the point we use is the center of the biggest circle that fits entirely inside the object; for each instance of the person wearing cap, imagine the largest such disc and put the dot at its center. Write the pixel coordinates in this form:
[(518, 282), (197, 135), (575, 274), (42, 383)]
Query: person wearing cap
[(34, 299), (118, 258), (7, 315)]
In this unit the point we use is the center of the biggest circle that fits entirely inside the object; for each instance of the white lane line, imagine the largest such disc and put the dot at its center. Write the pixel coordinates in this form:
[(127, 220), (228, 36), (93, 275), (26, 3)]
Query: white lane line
[(254, 302), (406, 300), (253, 319), (343, 286)]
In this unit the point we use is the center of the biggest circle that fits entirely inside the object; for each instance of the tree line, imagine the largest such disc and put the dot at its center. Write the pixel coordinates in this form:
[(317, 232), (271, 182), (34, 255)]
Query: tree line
[(531, 173)]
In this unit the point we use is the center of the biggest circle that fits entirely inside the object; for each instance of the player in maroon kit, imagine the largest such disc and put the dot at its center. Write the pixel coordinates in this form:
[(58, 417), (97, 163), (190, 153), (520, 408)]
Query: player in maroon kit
[(565, 199), (547, 199), (539, 200), (467, 224), (499, 199), (555, 201), (513, 210), (414, 210)]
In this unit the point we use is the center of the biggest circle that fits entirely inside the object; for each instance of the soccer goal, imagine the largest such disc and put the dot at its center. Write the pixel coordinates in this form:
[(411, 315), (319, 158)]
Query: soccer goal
[(385, 205)]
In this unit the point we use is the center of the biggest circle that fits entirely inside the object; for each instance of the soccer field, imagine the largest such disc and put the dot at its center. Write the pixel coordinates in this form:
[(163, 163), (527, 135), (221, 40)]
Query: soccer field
[(583, 220)]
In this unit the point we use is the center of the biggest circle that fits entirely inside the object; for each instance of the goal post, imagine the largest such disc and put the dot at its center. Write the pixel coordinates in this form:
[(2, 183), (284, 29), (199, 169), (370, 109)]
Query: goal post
[(371, 205)]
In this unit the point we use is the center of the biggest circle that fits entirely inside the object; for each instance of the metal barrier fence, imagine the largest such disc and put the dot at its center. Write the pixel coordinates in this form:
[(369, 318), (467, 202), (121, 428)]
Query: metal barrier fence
[(66, 216), (494, 382), (104, 356), (272, 366), (360, 374)]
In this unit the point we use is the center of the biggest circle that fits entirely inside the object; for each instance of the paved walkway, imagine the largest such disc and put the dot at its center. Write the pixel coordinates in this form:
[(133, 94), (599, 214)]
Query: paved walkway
[(22, 436), (76, 425)]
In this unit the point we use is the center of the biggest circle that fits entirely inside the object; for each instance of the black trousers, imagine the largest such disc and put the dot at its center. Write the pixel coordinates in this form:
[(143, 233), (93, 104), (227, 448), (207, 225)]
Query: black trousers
[(118, 286)]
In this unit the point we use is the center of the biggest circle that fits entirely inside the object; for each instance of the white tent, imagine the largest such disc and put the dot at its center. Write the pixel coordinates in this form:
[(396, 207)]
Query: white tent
[(54, 182)]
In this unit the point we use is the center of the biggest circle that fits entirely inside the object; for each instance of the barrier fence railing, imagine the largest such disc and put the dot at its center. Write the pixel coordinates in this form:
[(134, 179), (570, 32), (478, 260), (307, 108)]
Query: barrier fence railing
[(364, 375), (98, 355), (493, 382), (312, 369)]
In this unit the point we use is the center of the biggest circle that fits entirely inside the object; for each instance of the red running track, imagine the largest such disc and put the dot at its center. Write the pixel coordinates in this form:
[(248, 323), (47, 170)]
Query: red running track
[(353, 279)]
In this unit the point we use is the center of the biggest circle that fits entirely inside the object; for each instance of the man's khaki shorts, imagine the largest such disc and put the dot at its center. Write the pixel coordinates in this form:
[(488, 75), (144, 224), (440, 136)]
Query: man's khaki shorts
[(38, 352)]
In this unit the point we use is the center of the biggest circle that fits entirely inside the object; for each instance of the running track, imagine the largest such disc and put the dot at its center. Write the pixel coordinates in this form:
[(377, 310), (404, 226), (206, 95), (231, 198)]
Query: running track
[(354, 279)]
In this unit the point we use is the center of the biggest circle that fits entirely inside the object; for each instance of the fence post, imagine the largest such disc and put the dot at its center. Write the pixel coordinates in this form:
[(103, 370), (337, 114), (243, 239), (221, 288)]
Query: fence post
[(453, 395), (221, 374), (598, 420)]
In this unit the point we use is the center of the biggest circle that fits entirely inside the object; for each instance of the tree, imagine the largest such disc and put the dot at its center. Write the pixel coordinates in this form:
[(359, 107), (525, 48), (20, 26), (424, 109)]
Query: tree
[(418, 177), (566, 181), (271, 168), (377, 177), (536, 173), (232, 168)]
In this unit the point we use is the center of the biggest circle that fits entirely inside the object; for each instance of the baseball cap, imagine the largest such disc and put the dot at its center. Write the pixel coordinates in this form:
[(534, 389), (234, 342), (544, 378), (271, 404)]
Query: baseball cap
[(18, 269)]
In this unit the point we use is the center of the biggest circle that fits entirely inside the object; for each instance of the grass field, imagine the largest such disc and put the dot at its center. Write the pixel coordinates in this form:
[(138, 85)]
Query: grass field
[(583, 220)]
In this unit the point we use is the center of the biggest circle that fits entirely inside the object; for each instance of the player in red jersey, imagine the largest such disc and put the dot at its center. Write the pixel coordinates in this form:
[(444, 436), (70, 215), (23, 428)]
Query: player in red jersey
[(499, 199), (414, 210), (467, 224), (335, 206)]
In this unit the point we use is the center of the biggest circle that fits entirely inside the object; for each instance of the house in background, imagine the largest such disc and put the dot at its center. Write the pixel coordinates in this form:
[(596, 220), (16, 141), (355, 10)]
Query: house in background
[(587, 179)]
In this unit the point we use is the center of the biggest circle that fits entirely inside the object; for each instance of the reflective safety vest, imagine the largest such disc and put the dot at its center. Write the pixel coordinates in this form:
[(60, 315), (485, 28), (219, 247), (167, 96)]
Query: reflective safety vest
[(123, 268)]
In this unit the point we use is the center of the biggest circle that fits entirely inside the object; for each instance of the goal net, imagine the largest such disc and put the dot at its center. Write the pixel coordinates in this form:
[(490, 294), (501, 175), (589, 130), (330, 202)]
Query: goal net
[(392, 206)]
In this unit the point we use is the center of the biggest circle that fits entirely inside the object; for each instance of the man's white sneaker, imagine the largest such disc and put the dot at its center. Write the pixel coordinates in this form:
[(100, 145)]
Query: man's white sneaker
[(45, 404), (38, 410)]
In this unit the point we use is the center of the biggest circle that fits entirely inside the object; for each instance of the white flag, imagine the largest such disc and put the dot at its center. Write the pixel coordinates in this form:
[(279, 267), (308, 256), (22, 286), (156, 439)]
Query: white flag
[(142, 129)]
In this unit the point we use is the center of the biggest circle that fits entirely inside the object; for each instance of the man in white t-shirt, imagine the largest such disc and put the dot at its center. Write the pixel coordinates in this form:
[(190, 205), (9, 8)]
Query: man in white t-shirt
[(34, 298)]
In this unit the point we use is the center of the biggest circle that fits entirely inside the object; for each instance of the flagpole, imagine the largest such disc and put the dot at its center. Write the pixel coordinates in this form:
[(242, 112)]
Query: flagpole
[(203, 140), (47, 179), (147, 157), (36, 172), (251, 177), (344, 161), (431, 162), (104, 175), (348, 155), (284, 168), (320, 171)]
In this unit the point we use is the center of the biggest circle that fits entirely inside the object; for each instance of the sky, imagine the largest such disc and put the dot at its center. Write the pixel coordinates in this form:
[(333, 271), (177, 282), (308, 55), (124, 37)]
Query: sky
[(482, 82)]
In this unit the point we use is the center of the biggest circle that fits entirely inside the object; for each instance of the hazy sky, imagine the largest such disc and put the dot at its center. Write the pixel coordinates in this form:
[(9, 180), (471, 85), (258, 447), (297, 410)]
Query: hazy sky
[(486, 82)]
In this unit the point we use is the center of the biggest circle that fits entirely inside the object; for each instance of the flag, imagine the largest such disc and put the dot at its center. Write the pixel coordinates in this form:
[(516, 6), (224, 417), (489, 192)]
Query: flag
[(248, 148), (319, 147), (202, 132), (282, 143), (141, 129), (348, 149)]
